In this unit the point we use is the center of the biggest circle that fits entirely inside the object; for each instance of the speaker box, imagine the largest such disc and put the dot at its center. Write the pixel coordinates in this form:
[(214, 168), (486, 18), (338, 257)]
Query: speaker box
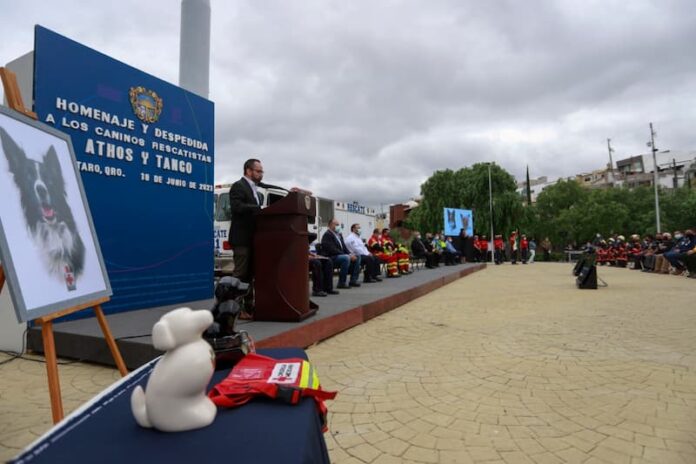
[(587, 277)]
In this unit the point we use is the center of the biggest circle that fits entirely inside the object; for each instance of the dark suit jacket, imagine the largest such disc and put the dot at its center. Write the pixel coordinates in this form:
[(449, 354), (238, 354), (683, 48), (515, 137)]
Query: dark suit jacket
[(418, 248), (331, 247), (243, 206)]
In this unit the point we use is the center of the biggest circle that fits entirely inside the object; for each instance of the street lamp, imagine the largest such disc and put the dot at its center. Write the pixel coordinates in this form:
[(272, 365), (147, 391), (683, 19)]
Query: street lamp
[(651, 144), (490, 203)]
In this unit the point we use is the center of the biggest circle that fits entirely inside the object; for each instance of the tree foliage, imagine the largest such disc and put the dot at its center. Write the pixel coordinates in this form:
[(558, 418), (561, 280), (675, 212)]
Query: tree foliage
[(467, 188), (565, 212)]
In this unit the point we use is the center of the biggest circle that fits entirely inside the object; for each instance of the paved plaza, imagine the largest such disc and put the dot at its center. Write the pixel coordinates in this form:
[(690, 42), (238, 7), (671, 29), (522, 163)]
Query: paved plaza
[(512, 364)]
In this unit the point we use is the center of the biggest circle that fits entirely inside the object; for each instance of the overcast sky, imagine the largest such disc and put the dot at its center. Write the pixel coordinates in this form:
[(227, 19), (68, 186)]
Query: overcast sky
[(363, 100)]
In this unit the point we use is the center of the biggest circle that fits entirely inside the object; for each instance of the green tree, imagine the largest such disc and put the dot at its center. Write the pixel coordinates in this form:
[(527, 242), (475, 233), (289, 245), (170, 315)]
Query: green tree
[(678, 209), (467, 188)]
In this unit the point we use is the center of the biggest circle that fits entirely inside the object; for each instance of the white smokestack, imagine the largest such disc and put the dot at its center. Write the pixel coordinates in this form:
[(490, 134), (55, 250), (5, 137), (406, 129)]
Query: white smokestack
[(194, 52)]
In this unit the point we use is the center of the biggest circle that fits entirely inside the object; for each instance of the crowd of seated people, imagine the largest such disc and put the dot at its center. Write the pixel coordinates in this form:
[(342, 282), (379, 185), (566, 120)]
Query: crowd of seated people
[(663, 253), (350, 253), (435, 249)]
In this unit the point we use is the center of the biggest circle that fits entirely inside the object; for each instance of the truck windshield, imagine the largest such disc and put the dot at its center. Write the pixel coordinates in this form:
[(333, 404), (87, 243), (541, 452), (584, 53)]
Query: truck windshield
[(222, 208)]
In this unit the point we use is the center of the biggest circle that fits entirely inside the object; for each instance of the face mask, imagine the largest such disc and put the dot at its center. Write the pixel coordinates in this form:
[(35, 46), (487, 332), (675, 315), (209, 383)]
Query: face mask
[(678, 236), (338, 229), (357, 232)]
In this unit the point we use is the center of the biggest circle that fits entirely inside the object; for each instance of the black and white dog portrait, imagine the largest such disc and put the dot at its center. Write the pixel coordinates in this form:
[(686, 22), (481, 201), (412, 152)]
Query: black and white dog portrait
[(49, 220), (451, 220)]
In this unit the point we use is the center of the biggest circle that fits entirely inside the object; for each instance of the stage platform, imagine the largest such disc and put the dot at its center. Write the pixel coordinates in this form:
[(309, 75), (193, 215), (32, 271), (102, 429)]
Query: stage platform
[(82, 339)]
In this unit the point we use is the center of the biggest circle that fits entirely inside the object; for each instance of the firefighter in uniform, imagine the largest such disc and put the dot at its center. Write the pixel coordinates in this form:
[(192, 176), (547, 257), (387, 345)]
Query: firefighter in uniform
[(483, 246), (376, 247), (498, 246), (399, 251), (524, 248)]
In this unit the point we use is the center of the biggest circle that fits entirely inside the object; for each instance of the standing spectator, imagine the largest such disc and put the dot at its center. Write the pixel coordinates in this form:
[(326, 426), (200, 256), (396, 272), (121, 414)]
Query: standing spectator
[(467, 246), (524, 248), (477, 249), (512, 240), (498, 247), (486, 252), (356, 246), (532, 250), (333, 246), (546, 249)]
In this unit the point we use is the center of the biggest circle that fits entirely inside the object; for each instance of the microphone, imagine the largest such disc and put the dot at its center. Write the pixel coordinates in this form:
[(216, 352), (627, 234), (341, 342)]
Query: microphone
[(264, 185)]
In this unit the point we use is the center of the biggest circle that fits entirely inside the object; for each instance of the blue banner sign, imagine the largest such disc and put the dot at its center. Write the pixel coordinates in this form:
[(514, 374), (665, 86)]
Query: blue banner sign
[(145, 150), (458, 219)]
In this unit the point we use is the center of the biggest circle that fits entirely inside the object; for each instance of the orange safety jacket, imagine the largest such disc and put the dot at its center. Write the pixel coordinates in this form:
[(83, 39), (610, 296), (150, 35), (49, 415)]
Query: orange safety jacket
[(288, 380)]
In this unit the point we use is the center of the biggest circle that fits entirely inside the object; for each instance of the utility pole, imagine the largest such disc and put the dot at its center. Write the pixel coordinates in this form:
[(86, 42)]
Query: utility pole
[(611, 162), (651, 144), (490, 202)]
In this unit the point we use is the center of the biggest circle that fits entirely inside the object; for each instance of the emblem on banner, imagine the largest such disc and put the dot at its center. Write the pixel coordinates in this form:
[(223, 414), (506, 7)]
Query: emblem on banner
[(147, 105)]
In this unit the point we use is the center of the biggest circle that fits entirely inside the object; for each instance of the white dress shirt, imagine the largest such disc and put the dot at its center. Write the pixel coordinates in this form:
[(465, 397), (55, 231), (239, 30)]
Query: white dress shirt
[(252, 184), (355, 245)]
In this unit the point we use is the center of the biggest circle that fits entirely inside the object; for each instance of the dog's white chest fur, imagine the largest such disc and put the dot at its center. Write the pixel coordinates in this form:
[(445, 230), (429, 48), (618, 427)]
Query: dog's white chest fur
[(174, 399), (55, 240)]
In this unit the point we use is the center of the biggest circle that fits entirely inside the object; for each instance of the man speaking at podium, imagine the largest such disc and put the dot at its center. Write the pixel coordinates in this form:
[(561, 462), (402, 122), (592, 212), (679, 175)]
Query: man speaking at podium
[(244, 203)]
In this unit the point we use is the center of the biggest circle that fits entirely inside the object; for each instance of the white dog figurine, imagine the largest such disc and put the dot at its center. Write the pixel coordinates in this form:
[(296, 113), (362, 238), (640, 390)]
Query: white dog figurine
[(175, 399)]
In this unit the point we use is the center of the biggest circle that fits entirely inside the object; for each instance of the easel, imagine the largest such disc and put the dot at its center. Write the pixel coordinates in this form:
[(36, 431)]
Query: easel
[(14, 100)]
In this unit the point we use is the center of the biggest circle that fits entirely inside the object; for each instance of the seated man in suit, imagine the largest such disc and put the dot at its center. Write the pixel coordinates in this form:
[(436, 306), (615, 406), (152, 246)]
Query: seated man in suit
[(321, 268), (420, 251), (333, 246), (356, 246)]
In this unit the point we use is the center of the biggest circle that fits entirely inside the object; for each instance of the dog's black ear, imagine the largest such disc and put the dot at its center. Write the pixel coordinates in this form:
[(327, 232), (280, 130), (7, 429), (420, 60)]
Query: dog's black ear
[(15, 155), (52, 163)]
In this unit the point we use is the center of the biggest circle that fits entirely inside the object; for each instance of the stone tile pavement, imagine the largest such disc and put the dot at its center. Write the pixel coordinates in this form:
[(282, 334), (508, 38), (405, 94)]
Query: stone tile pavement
[(512, 364), (516, 365), (25, 410)]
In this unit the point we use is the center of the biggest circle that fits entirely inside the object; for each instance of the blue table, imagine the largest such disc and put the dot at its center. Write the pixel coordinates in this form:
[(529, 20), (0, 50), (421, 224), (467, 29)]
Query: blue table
[(262, 431)]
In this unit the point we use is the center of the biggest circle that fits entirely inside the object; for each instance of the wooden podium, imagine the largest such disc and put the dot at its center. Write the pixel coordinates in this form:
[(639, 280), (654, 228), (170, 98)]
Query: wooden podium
[(281, 261)]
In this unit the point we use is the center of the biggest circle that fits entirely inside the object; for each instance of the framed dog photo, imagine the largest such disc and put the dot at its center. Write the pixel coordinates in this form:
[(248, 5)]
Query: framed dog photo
[(48, 245)]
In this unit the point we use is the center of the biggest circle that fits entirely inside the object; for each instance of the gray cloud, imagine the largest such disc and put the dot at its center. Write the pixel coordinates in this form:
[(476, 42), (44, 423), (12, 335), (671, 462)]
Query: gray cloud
[(364, 100)]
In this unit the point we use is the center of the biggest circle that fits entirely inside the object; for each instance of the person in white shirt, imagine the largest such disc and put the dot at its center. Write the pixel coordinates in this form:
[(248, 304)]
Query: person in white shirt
[(356, 246)]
